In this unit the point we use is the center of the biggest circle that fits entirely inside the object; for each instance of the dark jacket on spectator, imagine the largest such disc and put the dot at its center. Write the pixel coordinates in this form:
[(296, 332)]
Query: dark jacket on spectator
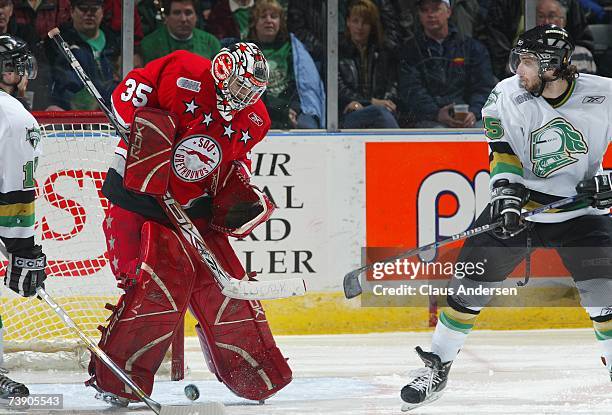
[(221, 22), (381, 77), (502, 24), (433, 75), (23, 32), (306, 19), (65, 84), (50, 14)]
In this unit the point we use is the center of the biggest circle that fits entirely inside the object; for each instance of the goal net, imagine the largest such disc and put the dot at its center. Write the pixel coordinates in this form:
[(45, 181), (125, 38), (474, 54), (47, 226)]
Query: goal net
[(70, 209)]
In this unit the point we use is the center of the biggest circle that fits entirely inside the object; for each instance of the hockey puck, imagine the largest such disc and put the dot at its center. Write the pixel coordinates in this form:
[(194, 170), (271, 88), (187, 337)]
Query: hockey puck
[(191, 392)]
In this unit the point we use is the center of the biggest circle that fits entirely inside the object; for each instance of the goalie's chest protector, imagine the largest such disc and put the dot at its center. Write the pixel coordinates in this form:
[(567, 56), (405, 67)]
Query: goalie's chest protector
[(560, 145), (203, 153)]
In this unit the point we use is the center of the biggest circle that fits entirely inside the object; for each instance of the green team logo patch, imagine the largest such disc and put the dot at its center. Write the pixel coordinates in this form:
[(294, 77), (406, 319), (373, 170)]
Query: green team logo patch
[(553, 145), (493, 97), (33, 136)]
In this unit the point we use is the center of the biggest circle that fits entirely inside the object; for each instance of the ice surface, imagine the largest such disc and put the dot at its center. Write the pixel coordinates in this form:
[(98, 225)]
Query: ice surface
[(498, 372)]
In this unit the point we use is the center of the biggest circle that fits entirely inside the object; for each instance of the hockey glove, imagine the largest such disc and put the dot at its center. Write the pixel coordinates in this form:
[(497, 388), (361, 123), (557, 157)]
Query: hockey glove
[(26, 271), (507, 199), (599, 189), (239, 207)]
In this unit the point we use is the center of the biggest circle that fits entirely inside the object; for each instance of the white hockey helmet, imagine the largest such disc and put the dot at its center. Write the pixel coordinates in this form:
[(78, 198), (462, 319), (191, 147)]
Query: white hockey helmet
[(241, 76)]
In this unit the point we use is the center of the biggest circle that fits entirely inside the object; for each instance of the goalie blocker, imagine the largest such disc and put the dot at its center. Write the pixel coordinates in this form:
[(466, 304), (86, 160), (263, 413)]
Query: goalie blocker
[(162, 276)]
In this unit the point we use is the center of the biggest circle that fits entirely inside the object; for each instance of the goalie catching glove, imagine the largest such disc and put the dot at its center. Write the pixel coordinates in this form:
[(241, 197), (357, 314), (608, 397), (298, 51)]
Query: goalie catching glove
[(507, 200), (239, 207), (26, 271), (598, 189)]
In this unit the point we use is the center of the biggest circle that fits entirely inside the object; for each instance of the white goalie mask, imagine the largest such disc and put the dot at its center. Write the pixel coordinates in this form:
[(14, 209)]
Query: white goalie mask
[(241, 76)]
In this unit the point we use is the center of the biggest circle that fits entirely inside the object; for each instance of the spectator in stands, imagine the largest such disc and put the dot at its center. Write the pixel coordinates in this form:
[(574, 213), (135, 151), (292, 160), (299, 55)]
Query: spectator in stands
[(295, 97), (229, 19), (10, 25), (43, 15), (595, 11), (113, 20), (367, 77), (306, 20), (466, 16), (151, 15), (553, 12), (95, 51), (505, 21), (179, 33), (441, 68)]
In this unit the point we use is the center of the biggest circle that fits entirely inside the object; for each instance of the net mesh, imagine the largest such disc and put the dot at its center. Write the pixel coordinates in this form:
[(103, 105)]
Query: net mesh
[(70, 210)]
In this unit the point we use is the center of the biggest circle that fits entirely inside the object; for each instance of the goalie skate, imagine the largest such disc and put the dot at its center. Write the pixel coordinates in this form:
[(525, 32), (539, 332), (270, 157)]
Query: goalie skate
[(427, 383), (108, 397)]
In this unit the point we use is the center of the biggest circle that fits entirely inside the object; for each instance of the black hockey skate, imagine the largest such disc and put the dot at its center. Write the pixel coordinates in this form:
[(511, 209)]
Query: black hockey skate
[(427, 383), (10, 389)]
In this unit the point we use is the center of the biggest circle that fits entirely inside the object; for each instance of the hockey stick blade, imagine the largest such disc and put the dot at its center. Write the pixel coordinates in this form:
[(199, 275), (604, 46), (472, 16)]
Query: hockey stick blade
[(352, 285), (208, 408), (231, 287)]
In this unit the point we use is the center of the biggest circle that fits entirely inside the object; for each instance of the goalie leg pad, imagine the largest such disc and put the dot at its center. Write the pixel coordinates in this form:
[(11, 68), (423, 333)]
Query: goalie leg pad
[(234, 334), (143, 324)]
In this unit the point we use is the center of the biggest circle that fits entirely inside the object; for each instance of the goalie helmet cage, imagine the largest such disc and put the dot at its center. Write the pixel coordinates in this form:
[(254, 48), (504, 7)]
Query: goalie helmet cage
[(77, 150)]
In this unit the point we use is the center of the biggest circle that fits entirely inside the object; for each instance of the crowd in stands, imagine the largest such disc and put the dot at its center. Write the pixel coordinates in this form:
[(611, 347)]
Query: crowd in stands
[(401, 63)]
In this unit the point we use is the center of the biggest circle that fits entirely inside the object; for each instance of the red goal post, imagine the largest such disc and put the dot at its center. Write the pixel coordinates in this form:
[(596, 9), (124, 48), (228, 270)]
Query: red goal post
[(77, 150)]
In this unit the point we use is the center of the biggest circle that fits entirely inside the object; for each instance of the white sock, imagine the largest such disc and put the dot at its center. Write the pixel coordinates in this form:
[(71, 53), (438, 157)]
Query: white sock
[(448, 338)]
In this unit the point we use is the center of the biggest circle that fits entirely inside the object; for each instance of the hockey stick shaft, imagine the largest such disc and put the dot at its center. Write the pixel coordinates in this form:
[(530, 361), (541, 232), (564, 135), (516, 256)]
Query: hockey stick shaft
[(230, 287), (352, 286)]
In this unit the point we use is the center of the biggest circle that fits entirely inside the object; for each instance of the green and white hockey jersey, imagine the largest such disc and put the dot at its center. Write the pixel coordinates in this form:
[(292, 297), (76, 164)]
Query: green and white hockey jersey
[(549, 149), (19, 151)]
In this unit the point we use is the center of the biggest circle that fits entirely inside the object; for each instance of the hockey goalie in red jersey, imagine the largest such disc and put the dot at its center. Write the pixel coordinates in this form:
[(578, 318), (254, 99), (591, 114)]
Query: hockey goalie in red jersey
[(212, 115)]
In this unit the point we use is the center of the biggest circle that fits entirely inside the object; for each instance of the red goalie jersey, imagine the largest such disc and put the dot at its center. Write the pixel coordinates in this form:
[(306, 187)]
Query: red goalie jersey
[(213, 135)]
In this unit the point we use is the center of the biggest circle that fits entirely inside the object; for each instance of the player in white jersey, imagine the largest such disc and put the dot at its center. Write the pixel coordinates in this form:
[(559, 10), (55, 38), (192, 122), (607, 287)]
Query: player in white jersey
[(19, 152), (547, 131)]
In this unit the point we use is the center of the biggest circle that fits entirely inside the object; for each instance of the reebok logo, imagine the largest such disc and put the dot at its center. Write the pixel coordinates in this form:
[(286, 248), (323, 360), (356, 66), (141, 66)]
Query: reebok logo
[(593, 99)]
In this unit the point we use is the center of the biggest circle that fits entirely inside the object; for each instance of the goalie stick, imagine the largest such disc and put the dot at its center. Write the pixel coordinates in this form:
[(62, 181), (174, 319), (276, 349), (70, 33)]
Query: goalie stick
[(244, 289), (209, 408), (352, 285)]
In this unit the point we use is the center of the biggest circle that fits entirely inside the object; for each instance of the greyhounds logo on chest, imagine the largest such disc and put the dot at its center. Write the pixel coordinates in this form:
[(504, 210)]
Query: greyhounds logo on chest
[(196, 157)]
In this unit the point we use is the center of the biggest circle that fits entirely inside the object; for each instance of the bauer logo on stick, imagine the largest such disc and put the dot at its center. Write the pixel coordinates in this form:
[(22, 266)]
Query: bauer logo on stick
[(195, 158)]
